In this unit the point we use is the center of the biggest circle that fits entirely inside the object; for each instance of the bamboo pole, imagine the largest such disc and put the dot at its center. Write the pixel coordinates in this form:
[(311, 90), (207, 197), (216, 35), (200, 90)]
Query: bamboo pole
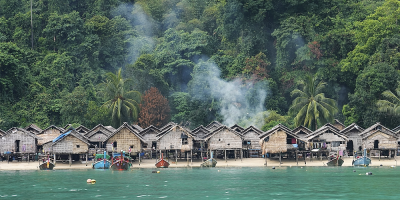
[(56, 160), (70, 159), (191, 157), (297, 157), (86, 157), (225, 157), (176, 157), (280, 158)]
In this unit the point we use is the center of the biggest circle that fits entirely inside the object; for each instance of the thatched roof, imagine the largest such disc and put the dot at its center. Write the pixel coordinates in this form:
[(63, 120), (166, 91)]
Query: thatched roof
[(237, 128), (72, 132), (67, 126), (184, 129), (351, 127), (33, 127), (149, 129), (301, 130), (200, 132), (15, 129), (127, 126), (97, 129), (137, 128), (375, 128), (2, 132), (53, 127), (110, 128), (252, 128), (396, 130), (167, 126), (324, 129), (336, 121), (213, 125), (277, 128), (221, 128), (82, 130)]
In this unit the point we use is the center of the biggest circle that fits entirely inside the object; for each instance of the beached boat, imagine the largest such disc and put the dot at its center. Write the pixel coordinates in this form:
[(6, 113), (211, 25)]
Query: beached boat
[(210, 162), (335, 161), (363, 161), (162, 163), (47, 165), (102, 164), (120, 163)]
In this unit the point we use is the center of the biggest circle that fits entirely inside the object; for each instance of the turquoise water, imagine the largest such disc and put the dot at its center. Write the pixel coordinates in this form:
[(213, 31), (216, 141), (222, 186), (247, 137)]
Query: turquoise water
[(211, 183)]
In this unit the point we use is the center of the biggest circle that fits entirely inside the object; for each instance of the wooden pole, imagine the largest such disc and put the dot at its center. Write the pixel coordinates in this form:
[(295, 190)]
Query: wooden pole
[(139, 156), (265, 156), (191, 157), (297, 158), (86, 157), (235, 154), (280, 158), (187, 158), (380, 154), (241, 155), (55, 159), (305, 162), (225, 157), (176, 157), (70, 159)]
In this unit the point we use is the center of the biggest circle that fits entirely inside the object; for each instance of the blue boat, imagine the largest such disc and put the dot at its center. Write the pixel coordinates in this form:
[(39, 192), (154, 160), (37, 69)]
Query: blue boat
[(102, 164), (363, 161)]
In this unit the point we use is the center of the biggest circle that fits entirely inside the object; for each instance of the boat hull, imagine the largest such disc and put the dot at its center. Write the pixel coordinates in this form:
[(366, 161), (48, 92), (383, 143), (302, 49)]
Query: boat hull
[(120, 165), (209, 163), (44, 166), (162, 164), (101, 164), (364, 161), (335, 162)]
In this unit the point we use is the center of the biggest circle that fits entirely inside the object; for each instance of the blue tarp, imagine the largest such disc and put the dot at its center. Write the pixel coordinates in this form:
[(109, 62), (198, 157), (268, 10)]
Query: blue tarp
[(61, 136)]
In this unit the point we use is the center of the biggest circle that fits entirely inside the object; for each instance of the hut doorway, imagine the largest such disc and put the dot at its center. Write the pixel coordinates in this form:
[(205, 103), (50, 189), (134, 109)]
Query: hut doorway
[(350, 147), (17, 145), (376, 144)]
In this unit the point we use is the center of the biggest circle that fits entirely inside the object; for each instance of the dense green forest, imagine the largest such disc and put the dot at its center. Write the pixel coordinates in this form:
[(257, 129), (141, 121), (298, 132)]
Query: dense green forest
[(237, 61)]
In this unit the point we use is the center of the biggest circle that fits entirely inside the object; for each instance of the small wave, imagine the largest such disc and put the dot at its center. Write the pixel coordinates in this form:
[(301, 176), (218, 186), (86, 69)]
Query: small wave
[(163, 197)]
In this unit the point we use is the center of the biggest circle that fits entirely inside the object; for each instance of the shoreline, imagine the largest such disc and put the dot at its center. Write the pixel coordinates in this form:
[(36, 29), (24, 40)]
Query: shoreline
[(230, 163)]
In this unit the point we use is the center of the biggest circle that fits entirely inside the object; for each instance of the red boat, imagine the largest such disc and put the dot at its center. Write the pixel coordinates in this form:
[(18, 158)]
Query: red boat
[(162, 163), (119, 163)]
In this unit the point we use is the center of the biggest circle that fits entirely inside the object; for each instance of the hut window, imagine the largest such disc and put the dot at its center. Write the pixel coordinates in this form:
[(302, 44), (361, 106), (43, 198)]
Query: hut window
[(131, 146), (184, 141), (246, 142), (78, 146), (115, 144), (266, 139)]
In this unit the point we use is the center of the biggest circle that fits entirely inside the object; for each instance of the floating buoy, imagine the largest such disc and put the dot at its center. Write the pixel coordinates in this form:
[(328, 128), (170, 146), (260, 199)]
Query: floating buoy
[(89, 181), (368, 173), (354, 170), (93, 181), (158, 172)]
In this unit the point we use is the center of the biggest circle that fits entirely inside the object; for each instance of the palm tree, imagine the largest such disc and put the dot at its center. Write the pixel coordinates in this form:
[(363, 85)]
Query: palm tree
[(121, 104), (310, 107), (391, 103)]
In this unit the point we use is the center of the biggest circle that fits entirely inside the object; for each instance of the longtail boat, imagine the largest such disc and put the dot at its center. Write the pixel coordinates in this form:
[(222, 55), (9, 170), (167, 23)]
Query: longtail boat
[(162, 163), (120, 163), (102, 164), (47, 165), (335, 161), (210, 162), (363, 161)]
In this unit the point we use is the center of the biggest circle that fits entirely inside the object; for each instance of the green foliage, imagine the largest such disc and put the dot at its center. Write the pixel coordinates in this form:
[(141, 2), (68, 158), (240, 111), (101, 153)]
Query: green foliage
[(350, 114)]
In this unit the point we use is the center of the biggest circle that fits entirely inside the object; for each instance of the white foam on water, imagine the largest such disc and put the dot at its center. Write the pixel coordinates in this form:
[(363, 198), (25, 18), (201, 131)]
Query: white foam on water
[(165, 181), (14, 195), (147, 185), (73, 190), (97, 196), (163, 197)]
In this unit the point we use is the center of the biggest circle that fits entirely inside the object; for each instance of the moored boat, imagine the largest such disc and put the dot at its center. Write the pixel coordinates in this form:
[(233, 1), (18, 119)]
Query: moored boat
[(210, 162), (102, 164), (162, 163), (363, 161), (335, 161), (120, 163), (47, 165)]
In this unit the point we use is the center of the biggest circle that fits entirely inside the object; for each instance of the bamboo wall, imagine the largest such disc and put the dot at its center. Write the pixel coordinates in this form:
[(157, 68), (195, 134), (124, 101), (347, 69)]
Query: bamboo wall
[(125, 139), (172, 140), (69, 145), (98, 137), (221, 139), (27, 143), (276, 143), (357, 140), (385, 141), (329, 137), (253, 138)]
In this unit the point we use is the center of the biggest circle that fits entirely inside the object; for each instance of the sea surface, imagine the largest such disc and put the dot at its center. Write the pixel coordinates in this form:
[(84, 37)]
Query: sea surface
[(205, 183)]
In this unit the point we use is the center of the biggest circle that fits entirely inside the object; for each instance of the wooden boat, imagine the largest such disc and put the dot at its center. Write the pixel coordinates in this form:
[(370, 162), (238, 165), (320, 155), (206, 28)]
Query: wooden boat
[(335, 161), (47, 165), (102, 164), (210, 162), (120, 163), (162, 163), (363, 161)]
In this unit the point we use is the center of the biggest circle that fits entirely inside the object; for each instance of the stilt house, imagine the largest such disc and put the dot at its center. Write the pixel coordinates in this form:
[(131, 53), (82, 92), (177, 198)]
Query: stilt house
[(251, 146), (327, 138), (48, 135), (70, 142), (2, 133), (33, 129), (280, 139), (98, 135), (200, 146), (380, 140), (19, 140), (125, 139), (149, 134), (225, 140), (352, 132), (302, 132), (175, 138)]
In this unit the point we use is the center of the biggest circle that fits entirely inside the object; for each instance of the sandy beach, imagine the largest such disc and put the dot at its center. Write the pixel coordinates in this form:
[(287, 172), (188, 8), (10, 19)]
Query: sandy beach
[(246, 162)]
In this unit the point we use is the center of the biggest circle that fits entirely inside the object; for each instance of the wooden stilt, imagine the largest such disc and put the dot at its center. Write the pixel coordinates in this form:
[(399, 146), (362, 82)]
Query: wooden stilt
[(235, 154), (265, 156), (380, 155), (70, 159), (176, 157), (280, 158), (191, 157), (56, 160), (201, 154), (297, 158), (139, 156), (151, 154), (187, 158), (225, 157), (305, 162), (241, 155), (86, 158)]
